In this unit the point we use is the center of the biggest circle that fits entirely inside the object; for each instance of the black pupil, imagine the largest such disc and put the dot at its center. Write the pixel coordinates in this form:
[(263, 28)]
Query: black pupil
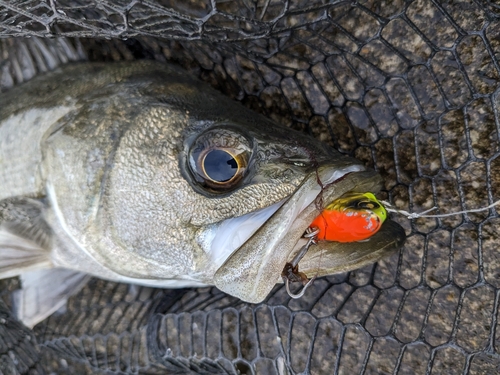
[(367, 205), (220, 166)]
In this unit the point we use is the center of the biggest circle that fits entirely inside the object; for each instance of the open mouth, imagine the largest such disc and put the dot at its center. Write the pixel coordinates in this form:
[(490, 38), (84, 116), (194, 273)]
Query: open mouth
[(249, 261), (223, 239)]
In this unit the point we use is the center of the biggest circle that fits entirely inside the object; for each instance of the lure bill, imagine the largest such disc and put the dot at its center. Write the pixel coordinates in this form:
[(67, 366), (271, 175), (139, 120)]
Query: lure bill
[(350, 218)]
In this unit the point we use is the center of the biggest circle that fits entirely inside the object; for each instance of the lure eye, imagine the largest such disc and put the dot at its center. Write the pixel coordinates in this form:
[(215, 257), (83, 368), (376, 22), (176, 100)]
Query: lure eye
[(362, 204), (367, 205)]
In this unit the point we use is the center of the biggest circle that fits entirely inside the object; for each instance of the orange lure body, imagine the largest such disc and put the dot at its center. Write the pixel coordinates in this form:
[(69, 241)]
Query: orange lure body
[(348, 220)]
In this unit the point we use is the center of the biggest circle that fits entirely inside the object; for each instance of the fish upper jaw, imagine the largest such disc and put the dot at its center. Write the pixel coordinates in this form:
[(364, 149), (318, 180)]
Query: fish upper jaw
[(250, 263)]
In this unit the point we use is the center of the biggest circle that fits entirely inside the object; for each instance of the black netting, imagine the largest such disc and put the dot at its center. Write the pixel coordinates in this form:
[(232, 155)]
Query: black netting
[(409, 87)]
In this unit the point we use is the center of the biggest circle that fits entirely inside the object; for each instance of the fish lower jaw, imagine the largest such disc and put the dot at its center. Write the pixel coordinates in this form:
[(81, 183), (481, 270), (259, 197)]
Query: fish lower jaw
[(167, 283)]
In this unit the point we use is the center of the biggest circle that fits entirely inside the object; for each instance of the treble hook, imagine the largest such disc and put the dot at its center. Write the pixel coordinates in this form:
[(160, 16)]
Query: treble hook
[(291, 269), (303, 250), (301, 293)]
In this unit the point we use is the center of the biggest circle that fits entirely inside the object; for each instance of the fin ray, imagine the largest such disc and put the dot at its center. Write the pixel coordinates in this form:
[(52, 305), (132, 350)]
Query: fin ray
[(25, 236), (18, 255), (44, 292)]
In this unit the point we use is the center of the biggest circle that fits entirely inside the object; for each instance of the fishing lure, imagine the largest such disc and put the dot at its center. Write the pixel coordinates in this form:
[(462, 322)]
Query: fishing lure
[(350, 218)]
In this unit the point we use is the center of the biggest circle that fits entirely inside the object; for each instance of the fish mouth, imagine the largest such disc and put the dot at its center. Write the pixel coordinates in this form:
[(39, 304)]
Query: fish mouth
[(223, 239), (248, 267)]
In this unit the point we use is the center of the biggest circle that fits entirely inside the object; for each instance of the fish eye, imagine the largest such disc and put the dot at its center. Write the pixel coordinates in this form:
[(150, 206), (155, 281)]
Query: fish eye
[(221, 167), (219, 159)]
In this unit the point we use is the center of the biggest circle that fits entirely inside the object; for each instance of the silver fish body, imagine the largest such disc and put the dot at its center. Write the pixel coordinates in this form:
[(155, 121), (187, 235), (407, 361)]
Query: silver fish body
[(136, 172)]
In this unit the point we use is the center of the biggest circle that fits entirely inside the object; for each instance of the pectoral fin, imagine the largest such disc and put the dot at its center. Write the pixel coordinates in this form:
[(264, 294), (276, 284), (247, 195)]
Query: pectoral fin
[(18, 255), (25, 247), (25, 237), (45, 291)]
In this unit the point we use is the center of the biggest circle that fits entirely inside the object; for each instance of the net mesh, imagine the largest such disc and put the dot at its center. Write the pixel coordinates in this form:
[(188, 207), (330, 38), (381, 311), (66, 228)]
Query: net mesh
[(409, 87)]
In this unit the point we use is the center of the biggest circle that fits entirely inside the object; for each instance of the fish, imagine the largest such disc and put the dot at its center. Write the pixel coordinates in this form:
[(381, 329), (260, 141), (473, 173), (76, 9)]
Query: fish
[(137, 172)]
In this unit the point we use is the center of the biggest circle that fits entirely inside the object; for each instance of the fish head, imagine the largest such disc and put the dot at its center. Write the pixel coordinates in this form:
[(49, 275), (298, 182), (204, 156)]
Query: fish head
[(160, 179)]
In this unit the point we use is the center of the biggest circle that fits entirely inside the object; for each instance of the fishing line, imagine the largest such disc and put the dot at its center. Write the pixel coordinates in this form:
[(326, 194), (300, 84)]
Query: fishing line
[(416, 215)]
